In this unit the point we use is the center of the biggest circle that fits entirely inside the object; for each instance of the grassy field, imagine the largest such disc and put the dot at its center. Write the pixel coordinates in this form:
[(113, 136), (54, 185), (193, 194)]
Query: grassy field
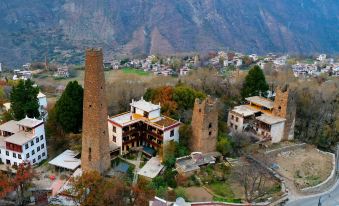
[(128, 70), (222, 188)]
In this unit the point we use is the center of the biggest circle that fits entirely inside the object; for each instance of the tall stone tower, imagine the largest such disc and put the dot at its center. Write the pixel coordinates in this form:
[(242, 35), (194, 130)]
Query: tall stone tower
[(204, 126), (95, 142), (285, 107)]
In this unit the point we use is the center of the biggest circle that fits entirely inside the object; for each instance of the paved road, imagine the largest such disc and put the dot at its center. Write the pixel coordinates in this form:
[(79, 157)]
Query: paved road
[(326, 199)]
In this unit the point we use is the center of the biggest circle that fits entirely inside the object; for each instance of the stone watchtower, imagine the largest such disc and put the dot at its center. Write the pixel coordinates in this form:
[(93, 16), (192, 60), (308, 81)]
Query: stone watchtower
[(95, 142), (285, 107), (204, 126)]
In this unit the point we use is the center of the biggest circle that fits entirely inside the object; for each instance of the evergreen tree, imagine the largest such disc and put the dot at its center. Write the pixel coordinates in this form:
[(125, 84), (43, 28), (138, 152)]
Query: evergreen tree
[(68, 109), (255, 83), (24, 100)]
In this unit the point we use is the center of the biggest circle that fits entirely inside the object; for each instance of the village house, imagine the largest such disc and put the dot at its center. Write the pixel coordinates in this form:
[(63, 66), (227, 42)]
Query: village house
[(184, 71), (62, 72), (142, 126), (23, 75), (264, 119), (191, 164), (321, 57), (23, 140)]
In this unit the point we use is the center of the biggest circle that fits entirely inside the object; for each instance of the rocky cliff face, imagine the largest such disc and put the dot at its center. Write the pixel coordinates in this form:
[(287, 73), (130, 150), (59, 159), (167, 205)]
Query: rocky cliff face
[(29, 29)]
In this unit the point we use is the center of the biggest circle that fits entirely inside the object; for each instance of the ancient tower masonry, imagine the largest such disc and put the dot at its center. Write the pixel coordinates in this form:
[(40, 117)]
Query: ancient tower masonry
[(95, 142), (204, 126), (285, 107)]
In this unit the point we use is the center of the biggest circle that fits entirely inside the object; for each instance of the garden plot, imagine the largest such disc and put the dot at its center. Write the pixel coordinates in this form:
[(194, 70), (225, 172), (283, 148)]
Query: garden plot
[(305, 166)]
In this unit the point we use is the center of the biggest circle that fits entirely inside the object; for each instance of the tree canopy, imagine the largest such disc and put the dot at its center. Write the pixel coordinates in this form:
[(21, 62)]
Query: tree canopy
[(173, 99), (255, 83), (24, 100), (68, 109)]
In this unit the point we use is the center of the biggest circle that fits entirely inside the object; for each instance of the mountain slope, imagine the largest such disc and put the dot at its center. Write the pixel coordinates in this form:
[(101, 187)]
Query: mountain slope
[(32, 28)]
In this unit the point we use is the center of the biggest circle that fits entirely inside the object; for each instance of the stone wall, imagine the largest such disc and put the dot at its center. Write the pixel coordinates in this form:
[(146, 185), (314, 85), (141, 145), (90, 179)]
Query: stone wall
[(328, 182), (286, 148)]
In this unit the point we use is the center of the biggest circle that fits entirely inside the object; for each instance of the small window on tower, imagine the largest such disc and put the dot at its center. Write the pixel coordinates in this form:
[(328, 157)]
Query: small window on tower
[(210, 133), (114, 129), (210, 125), (279, 107), (89, 154), (199, 110)]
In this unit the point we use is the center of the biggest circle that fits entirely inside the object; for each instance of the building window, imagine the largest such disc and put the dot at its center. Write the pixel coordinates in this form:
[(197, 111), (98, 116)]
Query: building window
[(33, 152), (37, 140), (43, 154), (232, 117), (232, 125), (38, 148), (237, 119), (42, 146), (32, 143), (114, 129), (19, 156), (210, 133), (7, 153), (33, 161), (14, 155), (236, 127), (39, 157), (15, 164), (41, 137), (172, 133), (210, 126), (199, 110), (27, 155), (114, 139), (26, 146), (89, 154)]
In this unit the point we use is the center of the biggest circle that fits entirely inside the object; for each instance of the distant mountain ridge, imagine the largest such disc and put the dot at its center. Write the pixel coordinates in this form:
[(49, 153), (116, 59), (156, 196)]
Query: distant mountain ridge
[(31, 29)]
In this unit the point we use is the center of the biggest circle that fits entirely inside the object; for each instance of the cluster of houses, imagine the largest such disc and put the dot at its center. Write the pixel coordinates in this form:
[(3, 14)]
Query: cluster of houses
[(312, 70)]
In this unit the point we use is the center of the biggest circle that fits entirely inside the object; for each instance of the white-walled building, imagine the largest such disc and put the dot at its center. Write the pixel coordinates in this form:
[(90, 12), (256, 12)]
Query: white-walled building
[(143, 126), (23, 140), (42, 105), (257, 117)]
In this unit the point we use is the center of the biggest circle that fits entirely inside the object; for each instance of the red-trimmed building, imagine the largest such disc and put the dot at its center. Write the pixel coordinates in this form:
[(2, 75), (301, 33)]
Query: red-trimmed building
[(143, 126), (23, 140)]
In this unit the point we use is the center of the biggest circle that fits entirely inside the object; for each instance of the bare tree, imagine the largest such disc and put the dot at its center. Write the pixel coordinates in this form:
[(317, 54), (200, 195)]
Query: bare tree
[(253, 178)]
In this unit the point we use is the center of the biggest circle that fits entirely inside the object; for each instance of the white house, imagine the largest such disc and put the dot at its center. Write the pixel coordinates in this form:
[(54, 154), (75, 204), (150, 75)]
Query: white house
[(42, 105), (142, 126), (23, 140), (322, 57), (42, 100)]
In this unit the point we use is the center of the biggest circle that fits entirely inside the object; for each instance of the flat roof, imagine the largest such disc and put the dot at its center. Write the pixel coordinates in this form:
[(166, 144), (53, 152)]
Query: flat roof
[(245, 110), (66, 160), (261, 101), (123, 118), (152, 168), (145, 105), (195, 160), (270, 119), (20, 138), (10, 126), (29, 122), (165, 121)]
